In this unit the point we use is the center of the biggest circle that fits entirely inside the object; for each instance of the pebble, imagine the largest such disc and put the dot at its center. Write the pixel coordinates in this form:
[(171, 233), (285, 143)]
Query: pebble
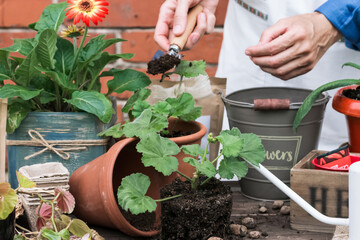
[(285, 210), (249, 222), (215, 238), (277, 204), (262, 210), (254, 234), (239, 230)]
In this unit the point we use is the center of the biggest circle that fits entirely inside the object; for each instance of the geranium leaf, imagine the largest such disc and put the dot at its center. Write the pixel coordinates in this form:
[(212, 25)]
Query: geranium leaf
[(11, 91), (93, 102), (139, 107), (24, 182), (115, 131), (126, 80), (192, 161), (50, 234), (17, 111), (193, 150), (8, 200), (52, 17), (162, 107), (192, 114), (191, 69), (230, 166), (65, 200), (184, 107), (231, 143), (253, 150), (79, 228), (139, 95), (158, 152), (131, 194), (207, 168), (145, 124), (46, 48)]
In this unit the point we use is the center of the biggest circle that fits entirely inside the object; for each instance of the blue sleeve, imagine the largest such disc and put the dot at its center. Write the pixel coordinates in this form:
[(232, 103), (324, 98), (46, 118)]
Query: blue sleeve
[(345, 16)]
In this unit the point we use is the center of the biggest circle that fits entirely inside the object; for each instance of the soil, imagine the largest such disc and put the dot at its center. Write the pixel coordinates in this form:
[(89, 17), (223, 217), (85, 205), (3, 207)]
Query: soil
[(195, 215), (174, 134), (352, 93), (143, 221), (162, 64)]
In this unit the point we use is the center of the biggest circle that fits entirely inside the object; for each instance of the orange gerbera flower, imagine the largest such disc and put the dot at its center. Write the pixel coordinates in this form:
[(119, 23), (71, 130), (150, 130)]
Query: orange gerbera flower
[(87, 10)]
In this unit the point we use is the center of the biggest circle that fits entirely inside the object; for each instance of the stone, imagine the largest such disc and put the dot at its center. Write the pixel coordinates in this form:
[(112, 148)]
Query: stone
[(277, 204), (254, 234), (215, 238), (239, 230), (248, 222), (262, 210), (285, 210)]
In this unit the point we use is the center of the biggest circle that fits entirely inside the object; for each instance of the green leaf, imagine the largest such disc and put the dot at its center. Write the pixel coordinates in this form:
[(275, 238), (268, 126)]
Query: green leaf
[(24, 182), (184, 107), (52, 17), (79, 228), (253, 150), (26, 71), (354, 65), (24, 46), (93, 102), (115, 131), (131, 194), (139, 95), (232, 143), (64, 234), (50, 234), (145, 124), (8, 200), (207, 168), (10, 91), (46, 48), (126, 80), (162, 107), (5, 70), (64, 55), (17, 111), (158, 152), (65, 219), (139, 107), (193, 150), (313, 96), (192, 161), (19, 237), (232, 166), (191, 69), (60, 78), (192, 115)]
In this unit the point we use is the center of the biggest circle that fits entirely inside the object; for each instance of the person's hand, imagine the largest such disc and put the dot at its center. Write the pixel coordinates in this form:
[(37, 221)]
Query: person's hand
[(293, 45), (172, 21)]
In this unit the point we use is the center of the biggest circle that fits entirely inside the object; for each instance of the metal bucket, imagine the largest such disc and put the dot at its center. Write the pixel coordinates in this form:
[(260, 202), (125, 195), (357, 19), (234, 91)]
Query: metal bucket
[(248, 111)]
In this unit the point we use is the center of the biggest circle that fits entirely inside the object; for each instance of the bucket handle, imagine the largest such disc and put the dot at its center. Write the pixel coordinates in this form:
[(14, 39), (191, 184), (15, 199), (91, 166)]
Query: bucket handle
[(271, 104)]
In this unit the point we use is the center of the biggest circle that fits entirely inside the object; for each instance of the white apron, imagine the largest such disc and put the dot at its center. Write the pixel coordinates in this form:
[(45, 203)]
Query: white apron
[(244, 23)]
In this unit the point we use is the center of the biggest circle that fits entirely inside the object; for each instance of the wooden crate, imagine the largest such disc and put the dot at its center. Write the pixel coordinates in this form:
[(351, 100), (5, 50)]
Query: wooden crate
[(327, 191)]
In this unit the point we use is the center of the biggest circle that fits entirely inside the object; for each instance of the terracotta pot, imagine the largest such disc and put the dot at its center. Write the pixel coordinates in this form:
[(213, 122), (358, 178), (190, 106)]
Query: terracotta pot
[(351, 109), (95, 184)]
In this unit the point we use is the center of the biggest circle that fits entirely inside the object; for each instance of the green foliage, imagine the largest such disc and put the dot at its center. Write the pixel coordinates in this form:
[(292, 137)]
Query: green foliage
[(190, 69), (54, 74), (313, 96)]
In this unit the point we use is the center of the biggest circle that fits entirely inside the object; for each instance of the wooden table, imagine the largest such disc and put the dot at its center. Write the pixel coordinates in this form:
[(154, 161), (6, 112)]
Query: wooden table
[(275, 225)]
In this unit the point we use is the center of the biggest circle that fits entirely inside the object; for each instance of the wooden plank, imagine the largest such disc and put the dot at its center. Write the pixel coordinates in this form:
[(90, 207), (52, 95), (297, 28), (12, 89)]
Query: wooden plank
[(327, 191), (3, 117)]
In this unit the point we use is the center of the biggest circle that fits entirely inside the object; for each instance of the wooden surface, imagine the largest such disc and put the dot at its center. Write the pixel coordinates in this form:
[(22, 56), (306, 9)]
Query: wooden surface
[(275, 225), (3, 117)]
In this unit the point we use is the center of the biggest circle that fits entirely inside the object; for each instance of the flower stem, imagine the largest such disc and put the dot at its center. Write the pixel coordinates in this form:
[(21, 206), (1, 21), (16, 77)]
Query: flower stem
[(179, 88), (216, 158), (78, 53), (168, 198), (183, 175)]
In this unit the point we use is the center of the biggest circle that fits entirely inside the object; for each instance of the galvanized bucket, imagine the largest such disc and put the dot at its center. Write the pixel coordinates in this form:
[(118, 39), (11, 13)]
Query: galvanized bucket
[(269, 112)]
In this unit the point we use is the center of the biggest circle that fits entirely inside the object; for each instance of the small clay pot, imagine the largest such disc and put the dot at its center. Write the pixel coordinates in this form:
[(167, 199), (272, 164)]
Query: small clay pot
[(95, 184), (351, 109)]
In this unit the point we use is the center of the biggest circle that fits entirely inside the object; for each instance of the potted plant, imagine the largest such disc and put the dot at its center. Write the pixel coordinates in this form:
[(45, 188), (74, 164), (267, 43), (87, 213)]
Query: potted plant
[(200, 206), (51, 222), (57, 85), (346, 101)]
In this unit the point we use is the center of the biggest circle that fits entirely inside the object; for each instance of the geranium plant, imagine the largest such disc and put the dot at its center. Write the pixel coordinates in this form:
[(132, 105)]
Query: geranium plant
[(52, 223), (159, 152), (309, 101), (57, 74)]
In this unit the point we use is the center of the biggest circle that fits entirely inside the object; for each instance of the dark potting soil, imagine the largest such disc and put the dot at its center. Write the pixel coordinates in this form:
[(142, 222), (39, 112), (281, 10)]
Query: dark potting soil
[(352, 93), (195, 215), (173, 134), (143, 221), (162, 64)]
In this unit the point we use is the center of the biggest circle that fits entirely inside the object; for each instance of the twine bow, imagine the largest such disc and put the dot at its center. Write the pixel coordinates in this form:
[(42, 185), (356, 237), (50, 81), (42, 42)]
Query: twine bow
[(38, 140)]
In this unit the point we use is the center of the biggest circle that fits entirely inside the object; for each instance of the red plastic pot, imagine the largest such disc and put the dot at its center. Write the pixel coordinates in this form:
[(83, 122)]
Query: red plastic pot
[(351, 109), (95, 184)]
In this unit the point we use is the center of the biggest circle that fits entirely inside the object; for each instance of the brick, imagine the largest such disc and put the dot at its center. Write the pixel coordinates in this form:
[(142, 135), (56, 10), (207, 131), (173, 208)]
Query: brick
[(20, 13), (135, 13), (143, 46), (7, 39)]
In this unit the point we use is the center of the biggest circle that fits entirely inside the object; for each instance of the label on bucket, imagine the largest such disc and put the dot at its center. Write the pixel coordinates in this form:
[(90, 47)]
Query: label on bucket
[(281, 151)]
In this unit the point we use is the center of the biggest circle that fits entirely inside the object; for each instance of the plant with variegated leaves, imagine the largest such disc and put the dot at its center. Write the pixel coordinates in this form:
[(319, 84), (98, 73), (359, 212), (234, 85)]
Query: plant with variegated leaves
[(56, 74), (51, 223)]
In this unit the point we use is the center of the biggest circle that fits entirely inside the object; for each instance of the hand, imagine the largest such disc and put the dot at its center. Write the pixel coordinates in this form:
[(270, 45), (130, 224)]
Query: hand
[(293, 45), (172, 21)]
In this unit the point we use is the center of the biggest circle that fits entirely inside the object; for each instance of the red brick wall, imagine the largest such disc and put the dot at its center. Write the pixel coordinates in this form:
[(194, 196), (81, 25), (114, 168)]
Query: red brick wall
[(133, 20)]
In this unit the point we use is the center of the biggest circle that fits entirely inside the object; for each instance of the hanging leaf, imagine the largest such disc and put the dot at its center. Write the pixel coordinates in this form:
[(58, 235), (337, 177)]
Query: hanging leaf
[(17, 111), (79, 228), (65, 200), (194, 150), (8, 200), (131, 194), (11, 91), (24, 182), (253, 150), (139, 95), (115, 131), (231, 166), (43, 214)]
